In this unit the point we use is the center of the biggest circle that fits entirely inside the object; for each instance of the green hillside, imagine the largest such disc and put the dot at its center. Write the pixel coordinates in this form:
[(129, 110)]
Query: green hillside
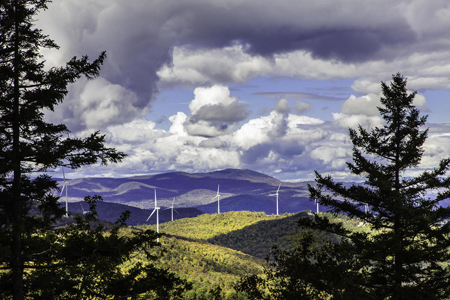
[(208, 226), (213, 251), (197, 251)]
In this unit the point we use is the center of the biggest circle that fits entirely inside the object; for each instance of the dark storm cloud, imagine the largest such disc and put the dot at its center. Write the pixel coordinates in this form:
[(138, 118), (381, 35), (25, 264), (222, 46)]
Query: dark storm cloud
[(328, 29), (140, 35)]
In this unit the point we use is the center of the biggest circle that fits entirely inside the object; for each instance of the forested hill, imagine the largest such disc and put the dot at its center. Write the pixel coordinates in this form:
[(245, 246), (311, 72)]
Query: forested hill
[(252, 233), (215, 250), (194, 253)]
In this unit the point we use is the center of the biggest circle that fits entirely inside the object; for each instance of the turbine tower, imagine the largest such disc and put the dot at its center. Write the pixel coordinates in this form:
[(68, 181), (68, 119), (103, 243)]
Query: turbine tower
[(218, 199), (62, 190), (277, 196), (157, 216), (172, 209), (317, 203)]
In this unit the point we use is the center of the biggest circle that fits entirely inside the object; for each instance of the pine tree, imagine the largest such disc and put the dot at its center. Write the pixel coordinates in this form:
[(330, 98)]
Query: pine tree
[(407, 250), (30, 250)]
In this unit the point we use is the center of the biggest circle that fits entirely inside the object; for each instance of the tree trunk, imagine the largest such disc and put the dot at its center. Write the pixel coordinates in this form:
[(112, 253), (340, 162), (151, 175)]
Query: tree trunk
[(16, 255)]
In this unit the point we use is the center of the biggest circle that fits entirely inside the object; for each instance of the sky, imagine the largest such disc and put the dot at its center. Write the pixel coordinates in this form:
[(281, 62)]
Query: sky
[(271, 86)]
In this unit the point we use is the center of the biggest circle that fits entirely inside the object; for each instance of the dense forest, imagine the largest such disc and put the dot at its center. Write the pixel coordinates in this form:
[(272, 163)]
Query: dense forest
[(212, 252)]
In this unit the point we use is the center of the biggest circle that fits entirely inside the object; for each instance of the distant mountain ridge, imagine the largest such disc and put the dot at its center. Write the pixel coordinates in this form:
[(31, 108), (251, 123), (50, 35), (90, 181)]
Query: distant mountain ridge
[(239, 189)]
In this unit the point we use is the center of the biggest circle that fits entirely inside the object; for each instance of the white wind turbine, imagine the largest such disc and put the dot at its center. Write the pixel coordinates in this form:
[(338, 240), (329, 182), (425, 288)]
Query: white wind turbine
[(84, 211), (276, 194), (173, 209), (218, 199), (62, 190), (157, 216)]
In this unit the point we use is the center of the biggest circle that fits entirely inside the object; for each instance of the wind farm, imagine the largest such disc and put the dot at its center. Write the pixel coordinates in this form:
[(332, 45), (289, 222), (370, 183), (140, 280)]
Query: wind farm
[(193, 193)]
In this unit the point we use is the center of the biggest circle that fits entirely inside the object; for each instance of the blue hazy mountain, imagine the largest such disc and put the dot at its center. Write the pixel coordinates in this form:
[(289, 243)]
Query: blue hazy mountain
[(239, 190)]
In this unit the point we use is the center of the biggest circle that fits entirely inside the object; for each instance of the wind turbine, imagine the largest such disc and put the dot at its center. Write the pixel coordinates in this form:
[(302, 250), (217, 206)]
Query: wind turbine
[(62, 190), (218, 199), (84, 211), (157, 216), (277, 196), (366, 208), (173, 208)]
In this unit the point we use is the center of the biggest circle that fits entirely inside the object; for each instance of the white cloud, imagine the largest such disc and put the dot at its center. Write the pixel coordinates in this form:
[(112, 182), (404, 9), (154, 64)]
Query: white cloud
[(178, 121), (214, 112), (302, 107), (213, 43), (365, 105), (102, 103), (208, 66)]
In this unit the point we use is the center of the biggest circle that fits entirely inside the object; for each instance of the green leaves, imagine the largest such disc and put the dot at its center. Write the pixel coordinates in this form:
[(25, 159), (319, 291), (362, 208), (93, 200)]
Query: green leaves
[(406, 252)]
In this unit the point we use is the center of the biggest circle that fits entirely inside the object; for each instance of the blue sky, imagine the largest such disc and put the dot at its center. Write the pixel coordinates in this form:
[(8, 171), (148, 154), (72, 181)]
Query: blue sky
[(203, 85)]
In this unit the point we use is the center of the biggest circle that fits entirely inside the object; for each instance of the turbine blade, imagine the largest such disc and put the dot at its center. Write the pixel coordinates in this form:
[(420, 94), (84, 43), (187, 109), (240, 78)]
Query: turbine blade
[(218, 189), (173, 201), (151, 215), (62, 190), (278, 188), (156, 204), (176, 211)]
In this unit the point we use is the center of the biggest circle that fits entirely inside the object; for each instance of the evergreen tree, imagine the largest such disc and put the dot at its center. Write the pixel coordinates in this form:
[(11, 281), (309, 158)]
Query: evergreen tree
[(406, 253), (314, 270), (30, 252)]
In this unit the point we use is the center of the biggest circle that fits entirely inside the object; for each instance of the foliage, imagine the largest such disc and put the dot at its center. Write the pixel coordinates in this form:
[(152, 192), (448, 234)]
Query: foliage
[(211, 269), (200, 249), (404, 255), (257, 239), (208, 226), (37, 260), (83, 261), (309, 271)]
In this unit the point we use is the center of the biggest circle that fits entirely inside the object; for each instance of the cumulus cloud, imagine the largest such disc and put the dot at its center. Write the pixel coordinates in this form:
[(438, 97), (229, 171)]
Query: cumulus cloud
[(161, 44), (214, 112), (302, 107), (96, 104), (252, 145), (365, 105), (207, 42)]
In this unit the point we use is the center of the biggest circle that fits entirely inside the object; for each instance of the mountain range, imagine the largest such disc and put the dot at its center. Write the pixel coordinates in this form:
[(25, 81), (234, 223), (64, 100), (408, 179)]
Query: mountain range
[(191, 193)]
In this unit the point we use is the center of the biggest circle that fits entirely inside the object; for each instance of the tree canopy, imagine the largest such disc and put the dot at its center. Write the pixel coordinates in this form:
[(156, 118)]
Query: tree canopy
[(33, 254), (403, 252)]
